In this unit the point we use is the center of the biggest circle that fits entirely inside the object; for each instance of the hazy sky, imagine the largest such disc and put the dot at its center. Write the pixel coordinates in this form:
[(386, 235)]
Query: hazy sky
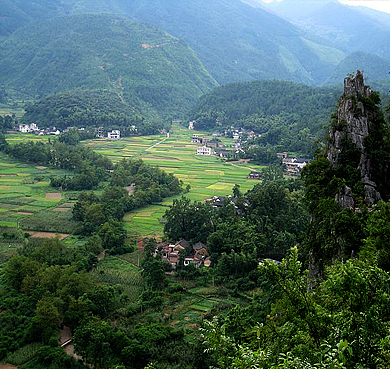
[(382, 5)]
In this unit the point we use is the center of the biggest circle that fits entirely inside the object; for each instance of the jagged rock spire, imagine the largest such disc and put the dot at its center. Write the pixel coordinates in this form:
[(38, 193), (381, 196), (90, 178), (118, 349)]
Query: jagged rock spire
[(352, 124)]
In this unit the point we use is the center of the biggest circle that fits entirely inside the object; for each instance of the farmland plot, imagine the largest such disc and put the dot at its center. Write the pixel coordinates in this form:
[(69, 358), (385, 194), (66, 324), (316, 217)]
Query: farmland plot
[(207, 176)]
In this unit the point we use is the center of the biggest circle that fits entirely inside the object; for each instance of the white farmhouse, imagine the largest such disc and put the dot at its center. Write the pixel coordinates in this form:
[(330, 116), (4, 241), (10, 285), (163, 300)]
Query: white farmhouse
[(203, 150), (27, 128), (114, 134)]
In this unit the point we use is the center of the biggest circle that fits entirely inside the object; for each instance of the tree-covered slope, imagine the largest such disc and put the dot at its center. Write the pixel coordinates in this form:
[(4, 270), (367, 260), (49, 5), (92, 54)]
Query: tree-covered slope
[(374, 67), (240, 103), (16, 13), (235, 41), (137, 61), (81, 108), (349, 29)]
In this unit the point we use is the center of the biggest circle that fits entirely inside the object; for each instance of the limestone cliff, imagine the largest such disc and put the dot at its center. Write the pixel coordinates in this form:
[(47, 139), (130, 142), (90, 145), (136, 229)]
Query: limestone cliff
[(350, 127)]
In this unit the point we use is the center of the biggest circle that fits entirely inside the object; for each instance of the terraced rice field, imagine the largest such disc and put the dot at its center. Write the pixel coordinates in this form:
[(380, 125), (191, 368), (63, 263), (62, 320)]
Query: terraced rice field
[(28, 202), (208, 176)]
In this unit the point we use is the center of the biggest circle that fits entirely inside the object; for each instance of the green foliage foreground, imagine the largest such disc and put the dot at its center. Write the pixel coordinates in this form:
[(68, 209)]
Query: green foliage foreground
[(341, 323)]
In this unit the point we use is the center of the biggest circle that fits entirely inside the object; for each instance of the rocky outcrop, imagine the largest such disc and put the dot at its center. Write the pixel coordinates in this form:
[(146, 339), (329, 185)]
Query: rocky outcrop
[(352, 125)]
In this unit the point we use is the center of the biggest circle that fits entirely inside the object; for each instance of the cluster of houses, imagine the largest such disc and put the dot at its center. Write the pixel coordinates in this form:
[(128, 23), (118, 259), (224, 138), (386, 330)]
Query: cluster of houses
[(292, 165), (33, 128), (211, 147), (115, 134), (196, 254)]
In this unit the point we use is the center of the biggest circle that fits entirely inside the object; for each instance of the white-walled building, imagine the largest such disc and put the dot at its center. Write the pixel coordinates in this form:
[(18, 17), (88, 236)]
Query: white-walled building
[(27, 128), (114, 134), (203, 150)]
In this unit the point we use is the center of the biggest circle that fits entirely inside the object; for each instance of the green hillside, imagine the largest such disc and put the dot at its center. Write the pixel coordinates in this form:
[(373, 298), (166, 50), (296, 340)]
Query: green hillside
[(137, 61), (234, 41), (374, 67), (289, 115), (15, 14), (80, 108)]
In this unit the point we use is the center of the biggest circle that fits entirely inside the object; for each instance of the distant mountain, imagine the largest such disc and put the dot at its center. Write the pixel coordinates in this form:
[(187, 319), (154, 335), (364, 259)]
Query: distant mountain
[(237, 42), (234, 40), (293, 9), (374, 67), (240, 40), (349, 29), (15, 14), (137, 61)]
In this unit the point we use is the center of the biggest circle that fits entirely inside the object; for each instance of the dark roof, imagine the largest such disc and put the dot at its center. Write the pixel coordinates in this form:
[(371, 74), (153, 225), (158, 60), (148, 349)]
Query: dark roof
[(199, 246), (182, 242)]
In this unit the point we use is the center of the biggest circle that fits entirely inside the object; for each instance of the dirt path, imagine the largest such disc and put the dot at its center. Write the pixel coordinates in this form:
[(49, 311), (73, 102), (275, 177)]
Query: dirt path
[(102, 255), (120, 94), (7, 366), (156, 144)]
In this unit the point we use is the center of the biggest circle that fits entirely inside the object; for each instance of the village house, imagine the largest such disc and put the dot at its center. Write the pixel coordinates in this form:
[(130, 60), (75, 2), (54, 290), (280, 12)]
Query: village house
[(100, 132), (196, 139), (282, 155), (223, 153), (254, 175), (28, 128), (171, 253), (191, 125), (203, 150), (114, 134), (294, 165)]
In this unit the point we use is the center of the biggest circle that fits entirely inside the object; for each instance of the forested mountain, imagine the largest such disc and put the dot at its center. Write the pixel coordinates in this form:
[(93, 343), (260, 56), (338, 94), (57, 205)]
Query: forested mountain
[(138, 62), (240, 40), (348, 28), (374, 67), (15, 14), (234, 41), (282, 111), (81, 108), (237, 42)]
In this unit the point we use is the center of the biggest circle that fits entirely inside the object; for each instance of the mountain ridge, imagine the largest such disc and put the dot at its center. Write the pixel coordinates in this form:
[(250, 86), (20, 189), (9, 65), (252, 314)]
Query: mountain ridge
[(136, 60)]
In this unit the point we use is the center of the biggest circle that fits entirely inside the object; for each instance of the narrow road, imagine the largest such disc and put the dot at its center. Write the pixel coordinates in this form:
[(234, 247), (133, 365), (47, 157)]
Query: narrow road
[(158, 143)]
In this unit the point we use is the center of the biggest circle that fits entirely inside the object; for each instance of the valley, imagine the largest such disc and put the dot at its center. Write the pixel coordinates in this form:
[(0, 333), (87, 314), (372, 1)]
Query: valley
[(187, 185), (207, 176)]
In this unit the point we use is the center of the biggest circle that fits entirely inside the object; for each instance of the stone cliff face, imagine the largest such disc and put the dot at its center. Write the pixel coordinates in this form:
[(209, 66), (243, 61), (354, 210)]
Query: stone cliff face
[(352, 125)]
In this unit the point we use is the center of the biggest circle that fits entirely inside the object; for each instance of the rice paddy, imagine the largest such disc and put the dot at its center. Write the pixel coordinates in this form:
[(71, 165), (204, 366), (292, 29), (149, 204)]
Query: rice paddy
[(27, 201), (207, 176)]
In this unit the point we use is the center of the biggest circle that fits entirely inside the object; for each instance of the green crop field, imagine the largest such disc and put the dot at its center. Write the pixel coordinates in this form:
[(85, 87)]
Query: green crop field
[(13, 138), (116, 271), (208, 176), (26, 199), (24, 189)]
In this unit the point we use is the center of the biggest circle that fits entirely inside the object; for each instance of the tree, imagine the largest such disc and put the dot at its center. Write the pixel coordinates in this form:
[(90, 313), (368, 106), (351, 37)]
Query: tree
[(377, 244), (191, 221), (92, 340), (47, 318), (113, 235)]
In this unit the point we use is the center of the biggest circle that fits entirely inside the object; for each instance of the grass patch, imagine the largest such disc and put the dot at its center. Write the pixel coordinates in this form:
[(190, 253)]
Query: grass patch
[(49, 221), (117, 272)]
